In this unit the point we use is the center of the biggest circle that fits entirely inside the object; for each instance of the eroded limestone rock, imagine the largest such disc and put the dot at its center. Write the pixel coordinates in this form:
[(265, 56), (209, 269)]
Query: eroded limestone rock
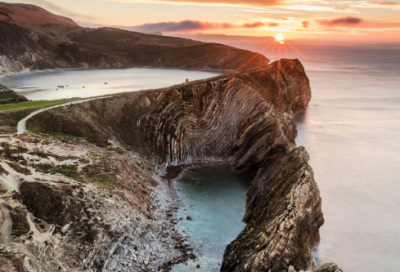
[(329, 267), (245, 119)]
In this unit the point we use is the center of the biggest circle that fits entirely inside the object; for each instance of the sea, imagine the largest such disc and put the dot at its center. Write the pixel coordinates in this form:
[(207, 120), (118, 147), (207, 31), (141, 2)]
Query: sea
[(351, 130)]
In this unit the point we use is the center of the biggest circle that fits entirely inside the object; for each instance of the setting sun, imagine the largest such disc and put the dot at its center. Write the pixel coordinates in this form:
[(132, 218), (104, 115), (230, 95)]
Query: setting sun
[(279, 38)]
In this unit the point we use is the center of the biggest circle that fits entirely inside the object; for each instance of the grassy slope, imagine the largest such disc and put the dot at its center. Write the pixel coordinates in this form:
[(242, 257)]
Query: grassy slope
[(36, 104), (11, 114), (8, 96)]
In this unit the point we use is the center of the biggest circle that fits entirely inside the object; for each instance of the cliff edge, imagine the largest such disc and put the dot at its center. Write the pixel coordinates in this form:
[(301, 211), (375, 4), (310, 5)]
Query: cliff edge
[(244, 119)]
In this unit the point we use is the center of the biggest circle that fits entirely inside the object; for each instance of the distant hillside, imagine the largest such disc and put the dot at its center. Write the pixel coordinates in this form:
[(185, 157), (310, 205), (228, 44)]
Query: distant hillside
[(32, 15), (8, 96), (33, 38)]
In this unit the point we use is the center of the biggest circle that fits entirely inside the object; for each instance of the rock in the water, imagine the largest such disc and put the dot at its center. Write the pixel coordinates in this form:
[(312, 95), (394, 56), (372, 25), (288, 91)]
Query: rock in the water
[(329, 267)]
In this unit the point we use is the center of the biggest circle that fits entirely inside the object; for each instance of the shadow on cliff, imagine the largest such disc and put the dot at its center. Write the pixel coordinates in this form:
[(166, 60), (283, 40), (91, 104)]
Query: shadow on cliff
[(244, 119)]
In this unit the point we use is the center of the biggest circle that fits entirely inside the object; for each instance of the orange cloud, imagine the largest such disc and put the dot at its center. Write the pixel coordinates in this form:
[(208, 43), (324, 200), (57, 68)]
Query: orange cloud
[(305, 24), (341, 21), (356, 22), (259, 24), (190, 25), (253, 25), (260, 3), (385, 3), (183, 26)]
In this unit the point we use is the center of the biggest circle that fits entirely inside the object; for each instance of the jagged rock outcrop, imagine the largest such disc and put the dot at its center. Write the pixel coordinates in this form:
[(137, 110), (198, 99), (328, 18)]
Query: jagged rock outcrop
[(33, 38), (329, 267), (244, 119), (70, 207)]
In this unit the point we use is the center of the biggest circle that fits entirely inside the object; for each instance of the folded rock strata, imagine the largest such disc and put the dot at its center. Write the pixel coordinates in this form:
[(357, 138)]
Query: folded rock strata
[(244, 119)]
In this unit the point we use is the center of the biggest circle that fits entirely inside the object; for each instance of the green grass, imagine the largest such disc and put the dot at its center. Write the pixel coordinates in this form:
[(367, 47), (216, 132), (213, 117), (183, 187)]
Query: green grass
[(19, 168), (7, 95), (66, 170), (37, 104)]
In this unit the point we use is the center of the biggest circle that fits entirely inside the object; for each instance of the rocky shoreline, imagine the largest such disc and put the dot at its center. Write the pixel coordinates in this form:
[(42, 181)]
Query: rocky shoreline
[(158, 245), (143, 242)]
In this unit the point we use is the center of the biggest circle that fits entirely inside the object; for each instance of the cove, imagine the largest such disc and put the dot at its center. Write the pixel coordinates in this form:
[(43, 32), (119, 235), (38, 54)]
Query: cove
[(83, 83), (214, 198)]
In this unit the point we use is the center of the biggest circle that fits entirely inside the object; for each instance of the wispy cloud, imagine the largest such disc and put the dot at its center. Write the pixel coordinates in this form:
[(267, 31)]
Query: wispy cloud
[(342, 21), (190, 26), (257, 3), (371, 4), (384, 3), (356, 22), (254, 25), (183, 26), (319, 8), (270, 11)]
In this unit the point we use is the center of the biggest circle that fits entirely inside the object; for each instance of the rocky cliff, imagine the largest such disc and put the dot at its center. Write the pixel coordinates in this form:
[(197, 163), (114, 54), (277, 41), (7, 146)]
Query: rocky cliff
[(244, 119), (33, 38)]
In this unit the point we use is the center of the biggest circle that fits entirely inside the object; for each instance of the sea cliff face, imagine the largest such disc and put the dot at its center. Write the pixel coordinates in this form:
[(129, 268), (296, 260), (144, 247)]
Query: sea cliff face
[(244, 119)]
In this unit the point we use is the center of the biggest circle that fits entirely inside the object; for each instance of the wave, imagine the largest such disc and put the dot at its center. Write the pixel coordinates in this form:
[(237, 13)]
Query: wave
[(31, 72)]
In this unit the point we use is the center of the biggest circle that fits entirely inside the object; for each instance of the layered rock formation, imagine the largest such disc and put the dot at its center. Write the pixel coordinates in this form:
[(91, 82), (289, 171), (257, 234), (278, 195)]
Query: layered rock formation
[(243, 119), (33, 38)]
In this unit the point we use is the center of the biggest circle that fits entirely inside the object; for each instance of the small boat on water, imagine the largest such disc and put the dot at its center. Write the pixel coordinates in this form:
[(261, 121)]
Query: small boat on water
[(106, 83), (60, 86)]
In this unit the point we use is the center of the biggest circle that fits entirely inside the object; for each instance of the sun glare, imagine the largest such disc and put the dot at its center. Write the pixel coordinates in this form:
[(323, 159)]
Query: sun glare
[(279, 38)]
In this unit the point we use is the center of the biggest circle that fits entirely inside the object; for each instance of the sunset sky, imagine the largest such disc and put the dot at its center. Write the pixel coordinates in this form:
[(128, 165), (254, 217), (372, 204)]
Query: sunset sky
[(373, 21)]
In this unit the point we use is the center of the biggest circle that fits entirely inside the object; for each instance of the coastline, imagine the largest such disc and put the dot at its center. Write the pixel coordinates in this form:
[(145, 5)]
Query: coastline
[(38, 71), (211, 114)]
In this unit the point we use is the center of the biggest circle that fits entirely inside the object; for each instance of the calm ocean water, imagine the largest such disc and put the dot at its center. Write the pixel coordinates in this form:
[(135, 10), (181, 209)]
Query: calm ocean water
[(44, 85), (351, 130)]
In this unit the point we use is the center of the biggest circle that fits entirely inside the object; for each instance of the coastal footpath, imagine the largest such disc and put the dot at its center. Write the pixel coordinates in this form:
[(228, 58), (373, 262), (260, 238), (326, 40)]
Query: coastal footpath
[(102, 169)]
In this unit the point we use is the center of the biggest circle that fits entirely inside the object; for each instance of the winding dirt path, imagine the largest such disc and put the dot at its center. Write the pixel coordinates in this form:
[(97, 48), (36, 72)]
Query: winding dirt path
[(22, 124)]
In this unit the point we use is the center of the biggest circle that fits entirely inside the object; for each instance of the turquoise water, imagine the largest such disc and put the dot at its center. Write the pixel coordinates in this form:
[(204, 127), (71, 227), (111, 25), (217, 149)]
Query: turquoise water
[(44, 85), (214, 197)]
